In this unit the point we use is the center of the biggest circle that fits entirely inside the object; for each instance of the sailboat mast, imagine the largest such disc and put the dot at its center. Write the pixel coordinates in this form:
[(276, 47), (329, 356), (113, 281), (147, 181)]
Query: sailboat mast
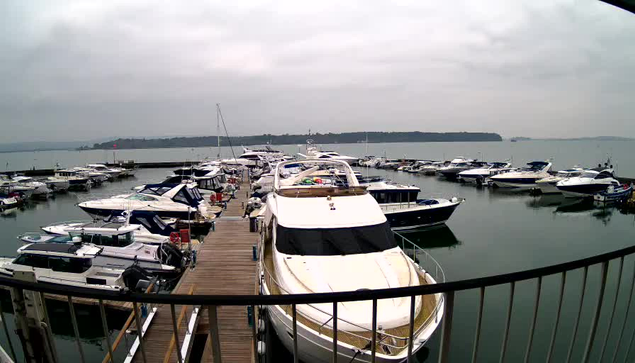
[(218, 129)]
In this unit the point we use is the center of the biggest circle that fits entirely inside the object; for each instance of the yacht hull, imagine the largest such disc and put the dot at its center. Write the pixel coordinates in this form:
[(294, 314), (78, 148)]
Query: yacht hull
[(582, 190), (419, 216), (548, 187), (318, 348), (102, 212), (515, 183)]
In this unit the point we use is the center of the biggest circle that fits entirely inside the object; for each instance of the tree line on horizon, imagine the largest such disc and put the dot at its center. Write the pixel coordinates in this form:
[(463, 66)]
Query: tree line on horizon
[(287, 139)]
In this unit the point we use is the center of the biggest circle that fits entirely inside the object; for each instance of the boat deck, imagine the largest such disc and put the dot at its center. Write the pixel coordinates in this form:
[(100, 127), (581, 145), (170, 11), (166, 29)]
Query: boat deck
[(361, 339), (224, 267)]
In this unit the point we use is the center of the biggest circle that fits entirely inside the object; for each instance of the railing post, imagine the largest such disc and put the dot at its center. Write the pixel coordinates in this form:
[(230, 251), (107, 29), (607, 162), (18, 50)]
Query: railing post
[(479, 321), (139, 331), (294, 313), (373, 341), (175, 331), (446, 332), (214, 334), (533, 320), (577, 320), (628, 308), (6, 332), (563, 282), (76, 328), (508, 321), (411, 326), (596, 316), (104, 324), (617, 295), (335, 332)]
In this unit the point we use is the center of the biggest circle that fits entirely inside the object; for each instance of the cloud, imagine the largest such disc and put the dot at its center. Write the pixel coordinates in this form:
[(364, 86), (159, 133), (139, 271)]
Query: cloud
[(148, 68)]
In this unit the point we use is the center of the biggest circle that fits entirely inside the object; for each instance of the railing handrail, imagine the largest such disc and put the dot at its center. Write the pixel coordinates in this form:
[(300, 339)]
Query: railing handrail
[(316, 298)]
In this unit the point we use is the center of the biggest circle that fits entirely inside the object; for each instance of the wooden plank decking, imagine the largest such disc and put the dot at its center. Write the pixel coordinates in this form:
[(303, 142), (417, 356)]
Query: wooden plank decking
[(224, 267)]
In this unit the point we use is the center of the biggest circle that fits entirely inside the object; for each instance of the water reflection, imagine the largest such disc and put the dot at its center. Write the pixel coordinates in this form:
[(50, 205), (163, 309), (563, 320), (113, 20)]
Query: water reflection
[(437, 237), (546, 200)]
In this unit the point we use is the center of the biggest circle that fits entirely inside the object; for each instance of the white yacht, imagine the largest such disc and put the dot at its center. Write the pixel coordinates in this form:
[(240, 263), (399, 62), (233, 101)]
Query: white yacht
[(548, 185), (10, 187), (328, 237), (70, 265), (151, 228), (40, 190), (431, 169), (313, 152), (480, 174), (7, 202), (101, 168), (57, 185), (96, 177), (404, 210), (525, 178), (119, 247), (456, 166), (588, 183), (77, 180), (182, 201)]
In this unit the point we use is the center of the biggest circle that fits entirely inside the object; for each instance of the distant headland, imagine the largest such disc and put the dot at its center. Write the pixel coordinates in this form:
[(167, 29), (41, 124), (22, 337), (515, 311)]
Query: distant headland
[(287, 139)]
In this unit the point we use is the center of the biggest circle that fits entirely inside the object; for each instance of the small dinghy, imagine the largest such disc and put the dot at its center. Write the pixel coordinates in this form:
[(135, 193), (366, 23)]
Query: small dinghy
[(614, 194)]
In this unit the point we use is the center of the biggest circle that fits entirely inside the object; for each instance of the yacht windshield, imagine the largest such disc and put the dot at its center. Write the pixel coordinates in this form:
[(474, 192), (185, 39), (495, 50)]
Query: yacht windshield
[(588, 174), (334, 241), (142, 197)]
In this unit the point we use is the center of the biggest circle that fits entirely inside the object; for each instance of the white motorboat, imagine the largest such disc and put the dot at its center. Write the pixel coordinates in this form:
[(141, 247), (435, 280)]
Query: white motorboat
[(431, 169), (525, 178), (57, 185), (405, 211), (96, 177), (7, 202), (333, 237), (152, 229), (71, 265), (588, 183), (313, 152), (101, 168), (548, 185), (452, 170), (119, 247), (480, 174), (40, 190), (182, 201), (10, 187), (77, 180)]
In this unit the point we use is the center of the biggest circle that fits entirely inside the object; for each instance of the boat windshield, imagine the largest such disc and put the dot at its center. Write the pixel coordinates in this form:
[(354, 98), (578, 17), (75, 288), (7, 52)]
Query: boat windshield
[(589, 174), (142, 197), (334, 241)]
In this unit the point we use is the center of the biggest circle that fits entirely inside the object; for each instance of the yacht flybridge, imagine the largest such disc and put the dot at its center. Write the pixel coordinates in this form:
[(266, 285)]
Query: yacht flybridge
[(525, 178), (167, 200), (329, 235)]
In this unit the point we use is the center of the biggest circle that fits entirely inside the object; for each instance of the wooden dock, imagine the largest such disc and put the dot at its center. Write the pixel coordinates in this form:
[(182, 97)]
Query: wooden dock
[(224, 266)]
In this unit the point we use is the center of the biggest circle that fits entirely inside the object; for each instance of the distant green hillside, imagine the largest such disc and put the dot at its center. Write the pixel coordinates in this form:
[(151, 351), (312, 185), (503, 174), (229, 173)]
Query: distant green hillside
[(286, 139)]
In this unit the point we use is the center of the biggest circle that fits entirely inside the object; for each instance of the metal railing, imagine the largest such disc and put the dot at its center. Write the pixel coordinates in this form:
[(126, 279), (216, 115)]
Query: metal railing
[(594, 342), (415, 254)]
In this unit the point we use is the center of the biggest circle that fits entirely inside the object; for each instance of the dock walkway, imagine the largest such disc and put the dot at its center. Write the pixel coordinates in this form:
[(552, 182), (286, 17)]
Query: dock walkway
[(224, 267)]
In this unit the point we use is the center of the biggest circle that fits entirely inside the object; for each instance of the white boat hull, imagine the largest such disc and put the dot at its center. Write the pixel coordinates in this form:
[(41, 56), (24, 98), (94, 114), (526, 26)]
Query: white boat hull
[(505, 184), (317, 348)]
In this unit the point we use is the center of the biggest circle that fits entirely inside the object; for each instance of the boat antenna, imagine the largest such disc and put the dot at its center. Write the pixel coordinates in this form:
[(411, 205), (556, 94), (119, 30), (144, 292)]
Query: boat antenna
[(218, 129), (229, 141)]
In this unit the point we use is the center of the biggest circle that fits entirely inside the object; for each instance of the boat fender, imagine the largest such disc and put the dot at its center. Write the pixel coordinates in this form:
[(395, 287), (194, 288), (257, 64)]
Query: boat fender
[(174, 237), (261, 347), (261, 326)]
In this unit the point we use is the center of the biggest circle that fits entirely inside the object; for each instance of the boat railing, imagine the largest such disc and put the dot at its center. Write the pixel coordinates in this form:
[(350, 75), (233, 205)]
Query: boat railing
[(418, 256)]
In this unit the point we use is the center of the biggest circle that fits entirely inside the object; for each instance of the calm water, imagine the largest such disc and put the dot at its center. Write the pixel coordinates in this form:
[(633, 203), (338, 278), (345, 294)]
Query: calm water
[(492, 232)]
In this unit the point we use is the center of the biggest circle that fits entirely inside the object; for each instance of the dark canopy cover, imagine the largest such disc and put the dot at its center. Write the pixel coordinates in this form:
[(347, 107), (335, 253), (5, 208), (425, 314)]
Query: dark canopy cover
[(334, 241)]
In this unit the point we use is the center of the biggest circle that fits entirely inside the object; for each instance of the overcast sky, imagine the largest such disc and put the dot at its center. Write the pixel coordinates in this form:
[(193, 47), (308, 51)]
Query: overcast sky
[(83, 70)]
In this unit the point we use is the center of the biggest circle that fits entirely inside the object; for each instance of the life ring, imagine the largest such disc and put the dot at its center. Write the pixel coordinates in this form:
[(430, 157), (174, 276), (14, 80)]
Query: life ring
[(212, 198), (174, 237)]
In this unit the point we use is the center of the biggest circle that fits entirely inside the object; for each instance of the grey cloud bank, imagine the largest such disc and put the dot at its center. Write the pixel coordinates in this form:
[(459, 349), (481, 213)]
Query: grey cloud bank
[(76, 70)]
